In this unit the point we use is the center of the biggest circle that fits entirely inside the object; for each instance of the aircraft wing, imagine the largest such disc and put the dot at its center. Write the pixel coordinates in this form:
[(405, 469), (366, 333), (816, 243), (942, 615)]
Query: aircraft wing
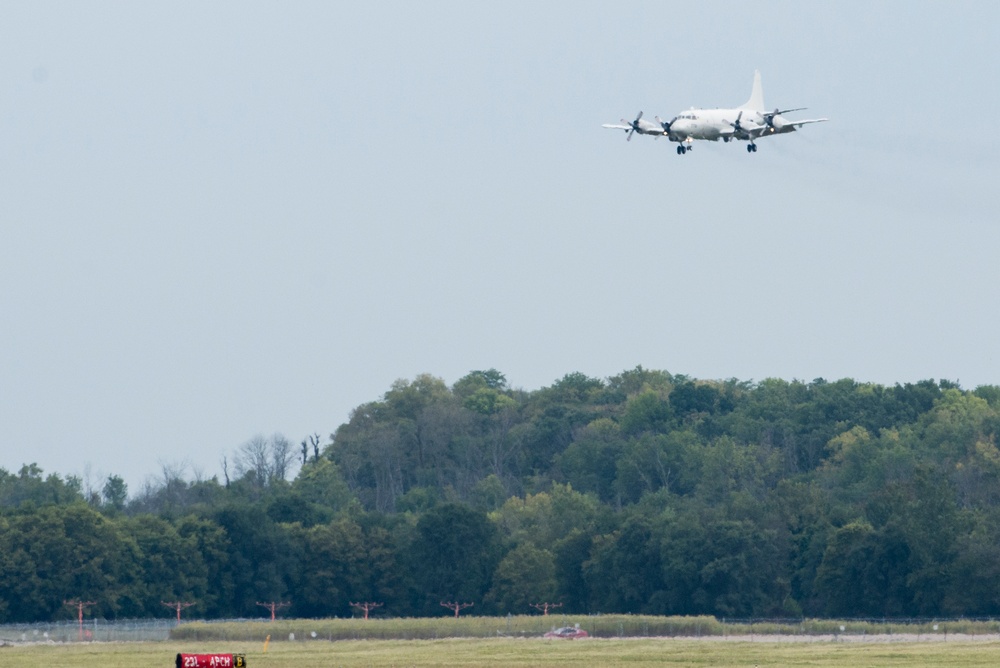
[(615, 126), (792, 126), (799, 124)]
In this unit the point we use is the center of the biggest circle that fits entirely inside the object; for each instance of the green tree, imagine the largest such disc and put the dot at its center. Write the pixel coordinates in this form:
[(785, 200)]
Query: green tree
[(723, 566), (624, 573), (588, 463), (570, 556), (652, 462), (454, 553), (477, 380), (845, 582), (114, 494), (634, 381), (688, 398), (488, 494), (406, 400), (974, 577), (727, 468), (647, 411), (29, 485), (553, 416), (806, 510), (951, 429), (58, 552), (321, 483), (498, 419), (545, 518), (525, 576), (918, 525), (384, 578), (259, 557), (332, 564), (7, 565), (172, 568), (211, 543)]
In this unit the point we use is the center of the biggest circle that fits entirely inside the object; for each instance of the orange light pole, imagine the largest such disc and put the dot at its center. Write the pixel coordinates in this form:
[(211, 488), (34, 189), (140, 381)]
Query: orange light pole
[(545, 607), (456, 606), (274, 605), (367, 607), (79, 605), (178, 606)]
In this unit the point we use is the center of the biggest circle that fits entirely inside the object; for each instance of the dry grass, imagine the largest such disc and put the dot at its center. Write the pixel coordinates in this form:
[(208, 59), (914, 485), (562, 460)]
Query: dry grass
[(520, 653), (602, 626)]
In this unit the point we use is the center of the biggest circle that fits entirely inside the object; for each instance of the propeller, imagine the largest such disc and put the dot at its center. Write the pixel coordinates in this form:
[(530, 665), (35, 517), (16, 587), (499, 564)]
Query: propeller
[(747, 133), (769, 116), (634, 124), (665, 124), (740, 131)]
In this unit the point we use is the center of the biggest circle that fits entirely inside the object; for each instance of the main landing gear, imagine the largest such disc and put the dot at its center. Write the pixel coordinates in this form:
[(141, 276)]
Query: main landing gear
[(682, 149), (751, 148)]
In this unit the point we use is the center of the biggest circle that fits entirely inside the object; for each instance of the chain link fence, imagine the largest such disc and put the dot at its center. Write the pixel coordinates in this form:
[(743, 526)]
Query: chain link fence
[(600, 626), (92, 630)]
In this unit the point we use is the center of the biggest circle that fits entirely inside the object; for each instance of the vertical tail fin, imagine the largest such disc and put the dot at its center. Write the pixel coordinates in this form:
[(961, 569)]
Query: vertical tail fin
[(756, 101)]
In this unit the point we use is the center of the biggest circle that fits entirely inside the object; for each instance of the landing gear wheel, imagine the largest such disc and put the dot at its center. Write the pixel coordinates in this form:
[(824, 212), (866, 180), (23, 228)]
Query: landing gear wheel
[(681, 150), (751, 148)]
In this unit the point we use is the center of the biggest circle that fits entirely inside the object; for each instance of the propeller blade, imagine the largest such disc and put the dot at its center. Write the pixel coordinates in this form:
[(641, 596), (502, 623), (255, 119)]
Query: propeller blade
[(635, 126), (736, 125), (769, 117)]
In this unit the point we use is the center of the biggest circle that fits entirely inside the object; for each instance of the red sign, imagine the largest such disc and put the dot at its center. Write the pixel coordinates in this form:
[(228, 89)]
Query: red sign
[(211, 661)]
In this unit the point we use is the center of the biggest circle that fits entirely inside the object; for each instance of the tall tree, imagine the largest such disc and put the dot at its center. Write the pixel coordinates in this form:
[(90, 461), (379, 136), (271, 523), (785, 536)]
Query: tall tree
[(453, 555), (526, 575), (59, 552), (172, 568), (625, 572)]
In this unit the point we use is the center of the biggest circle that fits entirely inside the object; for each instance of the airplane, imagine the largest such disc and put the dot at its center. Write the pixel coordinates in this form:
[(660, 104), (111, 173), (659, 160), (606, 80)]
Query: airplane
[(748, 122)]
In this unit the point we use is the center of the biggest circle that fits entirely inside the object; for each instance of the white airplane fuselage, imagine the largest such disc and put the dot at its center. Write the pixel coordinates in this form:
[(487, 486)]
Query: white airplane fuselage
[(710, 124), (716, 124)]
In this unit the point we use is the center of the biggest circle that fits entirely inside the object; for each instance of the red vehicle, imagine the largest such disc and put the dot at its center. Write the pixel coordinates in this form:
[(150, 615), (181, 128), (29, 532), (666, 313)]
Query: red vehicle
[(570, 632)]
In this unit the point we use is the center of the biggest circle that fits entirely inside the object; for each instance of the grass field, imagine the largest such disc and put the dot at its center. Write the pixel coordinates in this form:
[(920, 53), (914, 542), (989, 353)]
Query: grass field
[(517, 653), (599, 626)]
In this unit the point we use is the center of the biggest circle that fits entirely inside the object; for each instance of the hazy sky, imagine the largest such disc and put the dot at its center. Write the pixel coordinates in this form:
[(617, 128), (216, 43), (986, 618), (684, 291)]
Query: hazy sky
[(222, 219)]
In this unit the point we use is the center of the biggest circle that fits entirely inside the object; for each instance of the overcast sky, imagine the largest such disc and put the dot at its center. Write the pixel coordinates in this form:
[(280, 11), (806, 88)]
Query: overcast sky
[(222, 219)]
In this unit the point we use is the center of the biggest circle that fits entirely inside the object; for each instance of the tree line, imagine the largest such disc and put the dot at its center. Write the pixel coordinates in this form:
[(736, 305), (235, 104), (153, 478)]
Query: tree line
[(646, 492)]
